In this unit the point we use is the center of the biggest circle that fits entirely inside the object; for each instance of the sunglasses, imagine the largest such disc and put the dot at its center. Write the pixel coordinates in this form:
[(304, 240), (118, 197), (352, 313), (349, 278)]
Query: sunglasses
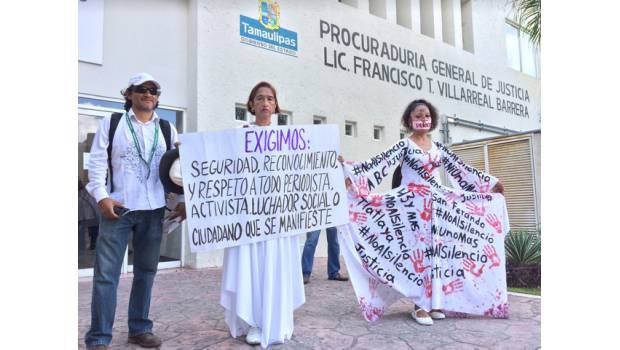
[(142, 90)]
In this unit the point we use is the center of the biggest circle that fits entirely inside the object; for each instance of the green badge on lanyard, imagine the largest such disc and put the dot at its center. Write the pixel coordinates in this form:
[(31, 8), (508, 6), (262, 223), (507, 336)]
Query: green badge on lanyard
[(137, 144)]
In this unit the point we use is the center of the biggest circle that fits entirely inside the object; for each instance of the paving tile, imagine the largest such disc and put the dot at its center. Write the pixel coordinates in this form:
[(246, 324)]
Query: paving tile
[(187, 315)]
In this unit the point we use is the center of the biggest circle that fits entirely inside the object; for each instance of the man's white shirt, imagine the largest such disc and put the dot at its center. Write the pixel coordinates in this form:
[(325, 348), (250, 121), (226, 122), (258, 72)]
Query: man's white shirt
[(133, 185)]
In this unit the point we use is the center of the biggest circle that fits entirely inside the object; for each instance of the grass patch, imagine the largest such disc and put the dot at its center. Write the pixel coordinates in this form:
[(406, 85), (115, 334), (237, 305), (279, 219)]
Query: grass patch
[(532, 291)]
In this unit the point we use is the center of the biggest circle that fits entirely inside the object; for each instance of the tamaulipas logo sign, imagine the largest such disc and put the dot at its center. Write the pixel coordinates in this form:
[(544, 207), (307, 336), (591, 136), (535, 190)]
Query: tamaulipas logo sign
[(266, 32)]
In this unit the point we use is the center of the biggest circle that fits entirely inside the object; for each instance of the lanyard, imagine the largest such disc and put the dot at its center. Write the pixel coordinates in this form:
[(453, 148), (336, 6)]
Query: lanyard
[(137, 145)]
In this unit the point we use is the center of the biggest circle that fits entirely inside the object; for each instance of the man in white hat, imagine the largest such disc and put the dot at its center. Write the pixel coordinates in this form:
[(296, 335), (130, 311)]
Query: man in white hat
[(133, 201)]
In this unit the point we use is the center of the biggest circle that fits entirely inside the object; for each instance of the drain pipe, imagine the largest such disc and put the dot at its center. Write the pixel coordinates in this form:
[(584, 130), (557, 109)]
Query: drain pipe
[(446, 120)]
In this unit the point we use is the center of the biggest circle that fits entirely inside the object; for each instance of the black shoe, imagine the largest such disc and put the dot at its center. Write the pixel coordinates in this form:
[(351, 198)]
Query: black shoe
[(145, 340), (306, 279), (338, 277)]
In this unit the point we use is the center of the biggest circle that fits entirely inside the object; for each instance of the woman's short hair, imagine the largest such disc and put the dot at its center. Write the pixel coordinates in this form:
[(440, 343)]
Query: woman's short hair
[(255, 91), (412, 106)]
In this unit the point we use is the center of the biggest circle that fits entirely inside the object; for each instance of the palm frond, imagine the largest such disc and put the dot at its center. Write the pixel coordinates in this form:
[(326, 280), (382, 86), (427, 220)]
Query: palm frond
[(528, 16)]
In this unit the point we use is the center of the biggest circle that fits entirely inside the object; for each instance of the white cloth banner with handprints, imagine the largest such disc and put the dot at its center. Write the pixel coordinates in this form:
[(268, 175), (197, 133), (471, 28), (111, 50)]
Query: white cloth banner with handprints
[(253, 184), (442, 247)]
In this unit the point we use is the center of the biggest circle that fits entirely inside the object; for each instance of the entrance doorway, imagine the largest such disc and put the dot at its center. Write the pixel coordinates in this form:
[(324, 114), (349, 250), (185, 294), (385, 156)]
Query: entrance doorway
[(90, 112)]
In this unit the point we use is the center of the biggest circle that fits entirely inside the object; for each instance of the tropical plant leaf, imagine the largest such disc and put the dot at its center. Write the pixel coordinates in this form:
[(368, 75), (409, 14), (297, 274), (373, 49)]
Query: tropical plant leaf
[(522, 248), (528, 16)]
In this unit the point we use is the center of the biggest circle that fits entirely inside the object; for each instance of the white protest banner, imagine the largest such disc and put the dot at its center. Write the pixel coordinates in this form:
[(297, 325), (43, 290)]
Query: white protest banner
[(252, 184), (441, 247)]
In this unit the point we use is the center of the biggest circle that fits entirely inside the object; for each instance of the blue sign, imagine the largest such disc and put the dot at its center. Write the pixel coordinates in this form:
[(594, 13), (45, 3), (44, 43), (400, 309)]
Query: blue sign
[(280, 40)]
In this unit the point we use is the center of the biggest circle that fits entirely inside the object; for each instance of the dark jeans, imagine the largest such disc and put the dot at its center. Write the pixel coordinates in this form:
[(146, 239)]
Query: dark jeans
[(333, 251), (93, 233), (111, 244)]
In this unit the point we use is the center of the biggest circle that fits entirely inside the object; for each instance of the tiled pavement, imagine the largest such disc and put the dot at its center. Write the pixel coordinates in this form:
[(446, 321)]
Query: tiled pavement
[(187, 315)]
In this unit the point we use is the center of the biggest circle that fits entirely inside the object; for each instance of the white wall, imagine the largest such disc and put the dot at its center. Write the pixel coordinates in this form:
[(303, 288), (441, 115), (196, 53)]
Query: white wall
[(141, 36)]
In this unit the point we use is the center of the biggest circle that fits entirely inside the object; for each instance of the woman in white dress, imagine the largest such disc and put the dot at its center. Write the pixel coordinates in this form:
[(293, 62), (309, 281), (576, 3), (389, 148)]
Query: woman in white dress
[(262, 282), (420, 159)]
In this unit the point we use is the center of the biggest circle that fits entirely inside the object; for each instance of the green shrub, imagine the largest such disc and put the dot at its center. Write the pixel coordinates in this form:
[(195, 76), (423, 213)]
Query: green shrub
[(522, 248)]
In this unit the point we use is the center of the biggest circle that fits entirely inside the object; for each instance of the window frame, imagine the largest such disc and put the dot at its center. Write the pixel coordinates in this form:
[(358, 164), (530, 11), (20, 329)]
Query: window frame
[(353, 128), (521, 36)]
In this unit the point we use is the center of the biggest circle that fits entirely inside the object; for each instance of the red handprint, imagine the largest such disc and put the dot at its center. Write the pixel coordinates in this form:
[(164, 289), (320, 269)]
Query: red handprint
[(428, 291), (357, 217), (454, 286), (474, 209), (483, 186), (432, 164), (418, 261), (494, 222), (372, 286), (362, 187), (370, 312), (470, 266), (422, 237), (491, 253), (375, 200), (426, 214), (420, 189), (451, 197)]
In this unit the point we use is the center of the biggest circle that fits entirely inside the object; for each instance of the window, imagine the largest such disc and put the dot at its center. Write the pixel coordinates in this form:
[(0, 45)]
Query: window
[(521, 53), (377, 132), (427, 18), (447, 22), (350, 128), (319, 120), (467, 25), (377, 8), (284, 119), (349, 2), (241, 113), (172, 115), (403, 13)]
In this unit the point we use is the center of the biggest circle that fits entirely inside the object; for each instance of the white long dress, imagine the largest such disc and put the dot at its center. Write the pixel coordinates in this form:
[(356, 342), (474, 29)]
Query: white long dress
[(443, 247), (261, 287)]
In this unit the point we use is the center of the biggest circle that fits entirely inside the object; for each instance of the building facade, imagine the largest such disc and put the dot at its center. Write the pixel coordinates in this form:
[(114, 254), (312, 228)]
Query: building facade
[(353, 63)]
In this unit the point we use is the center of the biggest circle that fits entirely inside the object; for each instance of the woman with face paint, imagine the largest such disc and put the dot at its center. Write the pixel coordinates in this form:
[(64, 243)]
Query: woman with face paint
[(448, 263), (420, 118)]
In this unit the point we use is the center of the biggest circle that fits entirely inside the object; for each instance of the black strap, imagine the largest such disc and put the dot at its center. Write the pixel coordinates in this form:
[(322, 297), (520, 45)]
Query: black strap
[(114, 120), (164, 125), (397, 177)]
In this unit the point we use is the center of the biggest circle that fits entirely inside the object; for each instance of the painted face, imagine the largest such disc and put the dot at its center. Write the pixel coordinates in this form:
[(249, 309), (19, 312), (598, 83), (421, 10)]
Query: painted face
[(264, 103), (144, 100), (420, 118)]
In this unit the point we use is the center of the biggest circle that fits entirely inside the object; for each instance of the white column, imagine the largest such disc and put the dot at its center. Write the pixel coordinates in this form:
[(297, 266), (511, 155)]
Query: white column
[(390, 11), (437, 19), (458, 24), (364, 6), (416, 24)]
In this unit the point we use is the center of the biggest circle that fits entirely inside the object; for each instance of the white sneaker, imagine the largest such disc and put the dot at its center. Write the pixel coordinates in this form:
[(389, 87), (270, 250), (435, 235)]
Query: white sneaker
[(253, 336), (437, 315), (425, 320)]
